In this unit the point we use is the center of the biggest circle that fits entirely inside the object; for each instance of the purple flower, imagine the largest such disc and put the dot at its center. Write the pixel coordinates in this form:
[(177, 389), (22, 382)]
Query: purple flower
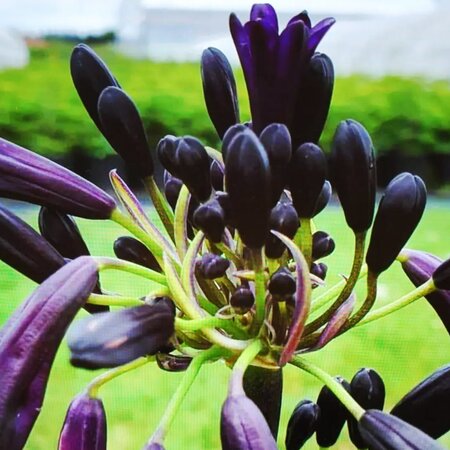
[(274, 64), (28, 344), (84, 426), (35, 179)]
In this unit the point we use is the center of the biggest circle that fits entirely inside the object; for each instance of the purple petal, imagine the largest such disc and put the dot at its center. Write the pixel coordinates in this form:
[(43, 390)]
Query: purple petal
[(266, 13), (33, 178), (318, 31), (303, 16)]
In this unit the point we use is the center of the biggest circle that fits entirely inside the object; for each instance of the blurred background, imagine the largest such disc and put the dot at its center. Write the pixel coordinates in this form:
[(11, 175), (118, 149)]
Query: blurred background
[(392, 62)]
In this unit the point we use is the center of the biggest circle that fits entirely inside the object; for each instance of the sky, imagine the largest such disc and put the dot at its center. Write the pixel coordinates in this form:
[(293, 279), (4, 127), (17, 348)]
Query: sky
[(96, 16)]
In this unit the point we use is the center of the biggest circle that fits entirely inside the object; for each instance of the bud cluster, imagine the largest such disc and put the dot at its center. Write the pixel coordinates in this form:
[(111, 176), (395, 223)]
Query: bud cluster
[(238, 272)]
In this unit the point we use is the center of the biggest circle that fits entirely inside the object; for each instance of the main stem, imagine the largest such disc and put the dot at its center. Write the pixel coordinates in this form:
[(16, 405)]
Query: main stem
[(260, 288)]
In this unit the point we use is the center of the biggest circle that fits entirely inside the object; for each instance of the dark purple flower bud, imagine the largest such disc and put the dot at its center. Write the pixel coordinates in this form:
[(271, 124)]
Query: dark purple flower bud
[(130, 249), (90, 75), (212, 266), (35, 179), (419, 267), (167, 154), (283, 218), (319, 270), (441, 276), (282, 284), (426, 406), (333, 415), (324, 198), (172, 188), (194, 167), (210, 218), (172, 363), (354, 176), (217, 175), (25, 250), (219, 90), (242, 425), (313, 101), (302, 424), (399, 213), (242, 300), (383, 431), (115, 338), (84, 426), (122, 127), (367, 388), (62, 232), (308, 169), (248, 183), (28, 344), (323, 245), (277, 142), (231, 133)]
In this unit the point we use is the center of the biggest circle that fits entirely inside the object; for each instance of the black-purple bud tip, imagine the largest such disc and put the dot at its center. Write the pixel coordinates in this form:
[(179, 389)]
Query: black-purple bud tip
[(282, 284), (302, 424), (212, 266)]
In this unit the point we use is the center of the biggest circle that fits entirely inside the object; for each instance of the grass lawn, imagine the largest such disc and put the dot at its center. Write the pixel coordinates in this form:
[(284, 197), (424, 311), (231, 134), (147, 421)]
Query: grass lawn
[(403, 348)]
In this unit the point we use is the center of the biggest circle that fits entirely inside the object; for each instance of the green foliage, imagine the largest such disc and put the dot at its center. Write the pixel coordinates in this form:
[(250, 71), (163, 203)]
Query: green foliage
[(41, 110)]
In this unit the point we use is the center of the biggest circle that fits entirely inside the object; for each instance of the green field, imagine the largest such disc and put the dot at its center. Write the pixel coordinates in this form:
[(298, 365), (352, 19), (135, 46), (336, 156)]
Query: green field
[(403, 348)]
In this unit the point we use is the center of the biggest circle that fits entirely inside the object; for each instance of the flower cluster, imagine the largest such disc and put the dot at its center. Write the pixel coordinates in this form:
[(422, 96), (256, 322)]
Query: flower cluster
[(233, 275)]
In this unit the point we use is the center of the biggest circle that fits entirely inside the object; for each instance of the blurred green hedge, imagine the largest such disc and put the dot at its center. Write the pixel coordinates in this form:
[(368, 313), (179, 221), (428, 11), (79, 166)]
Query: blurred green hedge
[(40, 108)]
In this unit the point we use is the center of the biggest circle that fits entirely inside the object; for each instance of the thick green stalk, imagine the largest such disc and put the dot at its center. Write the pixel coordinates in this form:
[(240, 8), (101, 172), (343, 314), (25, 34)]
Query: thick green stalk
[(113, 300), (303, 239), (260, 288)]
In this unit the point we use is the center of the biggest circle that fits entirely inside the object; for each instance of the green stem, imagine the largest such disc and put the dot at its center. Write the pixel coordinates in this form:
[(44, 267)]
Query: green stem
[(180, 224), (303, 238), (106, 263), (160, 204), (335, 387), (358, 259), (208, 322), (98, 382), (112, 300), (183, 388), (406, 300), (229, 254), (260, 288)]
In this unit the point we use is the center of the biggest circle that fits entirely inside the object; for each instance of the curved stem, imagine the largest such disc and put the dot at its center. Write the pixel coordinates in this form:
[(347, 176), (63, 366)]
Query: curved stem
[(336, 388), (113, 300), (97, 383), (260, 288), (180, 224), (208, 322), (406, 300), (229, 254), (160, 204), (183, 388)]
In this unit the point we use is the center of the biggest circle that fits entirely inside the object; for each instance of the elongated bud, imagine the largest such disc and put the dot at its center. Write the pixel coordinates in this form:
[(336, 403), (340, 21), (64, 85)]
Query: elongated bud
[(115, 338), (194, 167), (441, 276), (419, 267), (242, 425), (247, 174), (172, 363), (130, 249), (302, 424), (25, 250), (333, 415), (399, 213), (367, 388), (90, 75), (219, 90), (319, 270), (231, 133), (323, 245), (282, 284), (426, 406), (210, 218), (354, 175), (167, 154), (212, 266), (283, 218), (35, 179), (217, 175), (308, 169), (242, 300), (28, 344), (277, 142), (383, 431), (122, 126), (323, 199), (313, 102), (84, 426)]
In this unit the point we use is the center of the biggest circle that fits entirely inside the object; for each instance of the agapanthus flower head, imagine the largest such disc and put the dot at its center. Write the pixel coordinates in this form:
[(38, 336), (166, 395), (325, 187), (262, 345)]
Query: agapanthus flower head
[(275, 64)]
